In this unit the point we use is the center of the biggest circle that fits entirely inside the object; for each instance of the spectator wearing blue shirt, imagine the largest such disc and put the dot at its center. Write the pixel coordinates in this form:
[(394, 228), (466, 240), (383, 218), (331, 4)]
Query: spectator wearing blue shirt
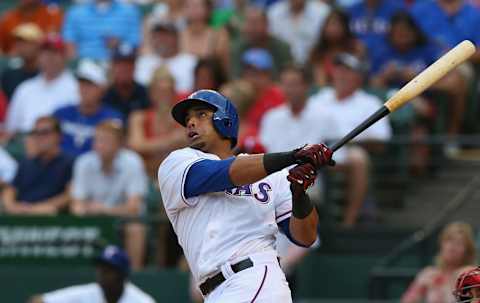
[(125, 94), (448, 22), (79, 121), (41, 183), (94, 28), (405, 53), (370, 19)]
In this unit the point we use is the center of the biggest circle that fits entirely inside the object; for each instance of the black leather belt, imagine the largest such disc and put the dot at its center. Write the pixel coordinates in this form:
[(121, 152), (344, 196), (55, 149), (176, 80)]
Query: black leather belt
[(213, 282)]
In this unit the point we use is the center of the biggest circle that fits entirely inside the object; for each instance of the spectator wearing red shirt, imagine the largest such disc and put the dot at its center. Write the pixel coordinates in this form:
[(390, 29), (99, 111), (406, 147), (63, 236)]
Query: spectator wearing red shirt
[(258, 66), (48, 18)]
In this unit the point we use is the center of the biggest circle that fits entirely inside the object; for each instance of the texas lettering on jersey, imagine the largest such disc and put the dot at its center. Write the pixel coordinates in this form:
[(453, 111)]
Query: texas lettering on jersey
[(261, 191)]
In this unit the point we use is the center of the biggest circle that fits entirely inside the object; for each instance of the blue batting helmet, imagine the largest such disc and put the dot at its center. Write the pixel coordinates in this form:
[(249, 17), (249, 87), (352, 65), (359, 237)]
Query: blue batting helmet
[(225, 117)]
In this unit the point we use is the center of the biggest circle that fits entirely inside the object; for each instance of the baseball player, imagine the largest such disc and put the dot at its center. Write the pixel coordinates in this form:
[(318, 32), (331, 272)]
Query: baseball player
[(112, 269), (467, 289), (227, 210)]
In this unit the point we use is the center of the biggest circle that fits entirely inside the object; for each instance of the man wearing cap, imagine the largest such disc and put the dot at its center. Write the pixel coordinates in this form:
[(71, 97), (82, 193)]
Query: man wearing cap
[(125, 94), (28, 39), (93, 28), (164, 43), (112, 268), (53, 88), (79, 121), (347, 105), (257, 70), (48, 18)]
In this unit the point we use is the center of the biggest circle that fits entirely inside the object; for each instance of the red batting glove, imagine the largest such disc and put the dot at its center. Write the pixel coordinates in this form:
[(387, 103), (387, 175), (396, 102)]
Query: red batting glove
[(316, 154), (302, 176)]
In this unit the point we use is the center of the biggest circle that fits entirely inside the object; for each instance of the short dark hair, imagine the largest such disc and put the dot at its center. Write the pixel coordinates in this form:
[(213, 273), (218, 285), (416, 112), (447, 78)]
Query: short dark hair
[(296, 68), (215, 66), (52, 120)]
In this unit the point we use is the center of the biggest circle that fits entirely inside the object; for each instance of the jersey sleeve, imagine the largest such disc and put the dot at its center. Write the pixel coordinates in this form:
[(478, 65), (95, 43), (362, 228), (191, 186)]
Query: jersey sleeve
[(283, 196), (171, 179)]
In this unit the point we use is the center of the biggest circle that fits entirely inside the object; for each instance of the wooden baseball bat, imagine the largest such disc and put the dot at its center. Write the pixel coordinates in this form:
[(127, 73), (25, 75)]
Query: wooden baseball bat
[(415, 87)]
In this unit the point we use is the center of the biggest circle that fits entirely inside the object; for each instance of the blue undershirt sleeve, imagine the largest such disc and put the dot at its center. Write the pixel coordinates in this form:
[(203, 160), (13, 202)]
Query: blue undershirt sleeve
[(208, 176), (284, 226)]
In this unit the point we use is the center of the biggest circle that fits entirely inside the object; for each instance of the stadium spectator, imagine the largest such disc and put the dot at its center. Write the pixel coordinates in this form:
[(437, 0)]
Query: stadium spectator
[(41, 183), (255, 35), (125, 94), (301, 116), (370, 19), (120, 24), (152, 132), (298, 23), (112, 269), (306, 124), (27, 40), (111, 181), (8, 168), (208, 74), (435, 283), (165, 51), (199, 38), (347, 105), (48, 18), (258, 68), (406, 53), (448, 22), (54, 87), (163, 11), (79, 121), (242, 94), (334, 38)]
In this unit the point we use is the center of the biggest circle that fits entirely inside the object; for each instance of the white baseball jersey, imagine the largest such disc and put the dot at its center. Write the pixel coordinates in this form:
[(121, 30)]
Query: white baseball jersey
[(220, 227), (92, 293)]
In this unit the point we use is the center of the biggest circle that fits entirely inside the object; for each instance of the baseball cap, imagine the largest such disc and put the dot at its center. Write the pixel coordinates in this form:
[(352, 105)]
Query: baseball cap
[(258, 58), (90, 71), (54, 42), (116, 257), (29, 32), (124, 52), (352, 62)]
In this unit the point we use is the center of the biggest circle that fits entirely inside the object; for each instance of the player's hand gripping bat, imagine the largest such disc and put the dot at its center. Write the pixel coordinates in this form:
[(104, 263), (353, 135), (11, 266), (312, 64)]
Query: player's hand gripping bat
[(415, 87)]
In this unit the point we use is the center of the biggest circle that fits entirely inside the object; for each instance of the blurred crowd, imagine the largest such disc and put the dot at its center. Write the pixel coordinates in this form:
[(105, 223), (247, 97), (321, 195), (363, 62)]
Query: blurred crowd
[(87, 86)]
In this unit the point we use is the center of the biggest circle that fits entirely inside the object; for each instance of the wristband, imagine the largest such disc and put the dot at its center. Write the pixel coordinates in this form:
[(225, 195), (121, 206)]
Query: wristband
[(302, 206), (273, 162)]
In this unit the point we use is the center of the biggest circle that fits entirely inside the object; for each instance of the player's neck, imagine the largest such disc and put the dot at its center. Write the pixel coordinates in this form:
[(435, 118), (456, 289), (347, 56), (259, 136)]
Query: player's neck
[(222, 150)]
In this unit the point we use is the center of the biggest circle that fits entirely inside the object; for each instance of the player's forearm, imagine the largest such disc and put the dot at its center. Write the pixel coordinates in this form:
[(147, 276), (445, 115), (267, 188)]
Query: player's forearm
[(247, 169), (304, 230)]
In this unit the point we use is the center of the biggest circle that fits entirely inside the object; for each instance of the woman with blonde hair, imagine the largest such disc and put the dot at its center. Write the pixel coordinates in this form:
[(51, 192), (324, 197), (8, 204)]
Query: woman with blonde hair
[(152, 132), (434, 284)]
